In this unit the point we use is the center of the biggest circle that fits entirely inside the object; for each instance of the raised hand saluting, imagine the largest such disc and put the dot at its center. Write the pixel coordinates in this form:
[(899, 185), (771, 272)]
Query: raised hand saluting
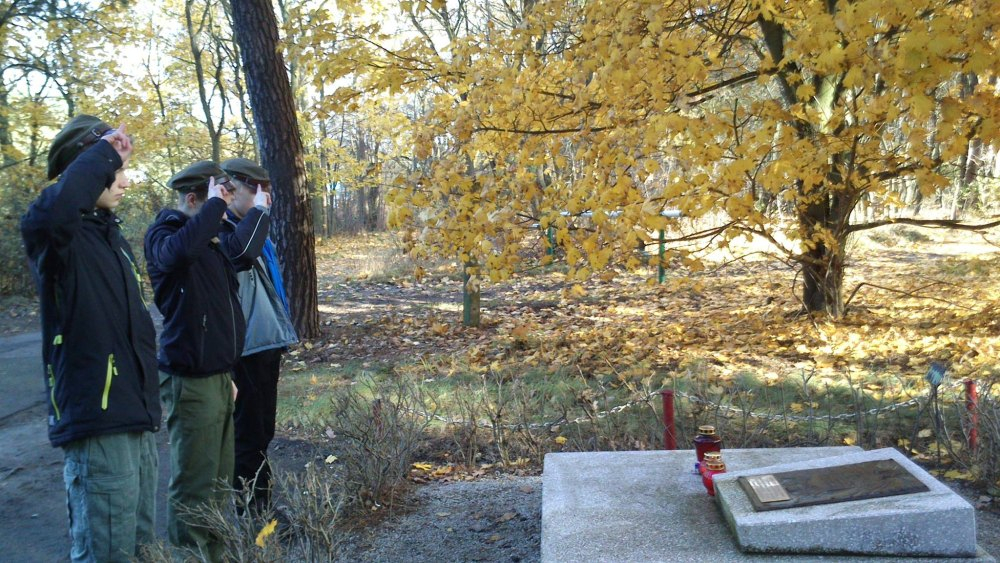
[(121, 142), (262, 198), (221, 189)]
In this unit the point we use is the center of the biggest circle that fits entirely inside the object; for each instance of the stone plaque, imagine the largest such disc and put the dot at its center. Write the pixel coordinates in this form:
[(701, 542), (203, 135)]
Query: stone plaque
[(828, 485)]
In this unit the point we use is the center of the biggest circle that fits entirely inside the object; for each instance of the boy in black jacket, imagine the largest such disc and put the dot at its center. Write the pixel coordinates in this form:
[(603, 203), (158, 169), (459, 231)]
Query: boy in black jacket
[(195, 286), (98, 343)]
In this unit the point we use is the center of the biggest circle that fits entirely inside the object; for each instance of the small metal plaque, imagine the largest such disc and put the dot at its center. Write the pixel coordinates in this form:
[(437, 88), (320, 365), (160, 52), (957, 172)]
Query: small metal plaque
[(767, 488), (827, 485)]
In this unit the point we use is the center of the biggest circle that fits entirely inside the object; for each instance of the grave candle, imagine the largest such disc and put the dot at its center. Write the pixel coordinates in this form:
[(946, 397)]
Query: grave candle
[(706, 441), (711, 465)]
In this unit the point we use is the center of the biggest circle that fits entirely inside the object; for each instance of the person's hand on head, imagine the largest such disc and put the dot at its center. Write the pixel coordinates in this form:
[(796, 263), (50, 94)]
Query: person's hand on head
[(219, 190), (120, 142), (262, 198)]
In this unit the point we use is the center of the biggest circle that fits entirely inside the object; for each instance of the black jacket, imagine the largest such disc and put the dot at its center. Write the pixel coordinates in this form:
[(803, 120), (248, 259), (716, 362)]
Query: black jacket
[(98, 342), (195, 286)]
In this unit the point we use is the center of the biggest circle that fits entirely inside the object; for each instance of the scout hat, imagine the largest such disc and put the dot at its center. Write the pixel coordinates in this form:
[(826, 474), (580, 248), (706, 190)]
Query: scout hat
[(76, 136), (196, 176), (246, 171)]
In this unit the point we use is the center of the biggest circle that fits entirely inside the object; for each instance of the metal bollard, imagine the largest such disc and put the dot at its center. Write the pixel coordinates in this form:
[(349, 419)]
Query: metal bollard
[(972, 407), (669, 432)]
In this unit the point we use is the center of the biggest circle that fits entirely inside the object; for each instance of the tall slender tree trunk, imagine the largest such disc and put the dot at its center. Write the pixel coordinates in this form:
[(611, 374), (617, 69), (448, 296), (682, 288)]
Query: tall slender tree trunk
[(6, 140), (197, 52), (281, 152), (238, 81), (968, 164), (172, 143)]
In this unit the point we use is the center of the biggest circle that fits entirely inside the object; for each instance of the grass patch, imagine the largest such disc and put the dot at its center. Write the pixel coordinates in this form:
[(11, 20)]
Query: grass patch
[(304, 394), (475, 418), (896, 234), (975, 267)]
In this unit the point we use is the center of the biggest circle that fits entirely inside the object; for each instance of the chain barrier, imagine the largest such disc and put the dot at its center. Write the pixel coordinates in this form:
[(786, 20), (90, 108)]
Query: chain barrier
[(538, 425), (694, 399)]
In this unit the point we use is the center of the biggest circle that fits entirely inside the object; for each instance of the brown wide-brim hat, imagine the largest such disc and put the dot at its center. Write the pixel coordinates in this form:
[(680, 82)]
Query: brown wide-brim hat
[(196, 176), (246, 170), (76, 136)]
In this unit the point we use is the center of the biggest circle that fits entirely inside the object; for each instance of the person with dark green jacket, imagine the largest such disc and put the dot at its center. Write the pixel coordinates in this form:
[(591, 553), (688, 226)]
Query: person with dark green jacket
[(195, 288), (98, 343)]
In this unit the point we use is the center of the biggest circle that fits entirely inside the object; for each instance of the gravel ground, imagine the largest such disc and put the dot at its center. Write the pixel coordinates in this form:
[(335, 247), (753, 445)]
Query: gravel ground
[(500, 520), (487, 520)]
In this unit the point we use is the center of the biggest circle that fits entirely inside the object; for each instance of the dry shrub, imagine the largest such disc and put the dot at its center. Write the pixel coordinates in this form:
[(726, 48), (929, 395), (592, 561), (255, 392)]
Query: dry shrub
[(309, 523), (378, 431), (987, 457)]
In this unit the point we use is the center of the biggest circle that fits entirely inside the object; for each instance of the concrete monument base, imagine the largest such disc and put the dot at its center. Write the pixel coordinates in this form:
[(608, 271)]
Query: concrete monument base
[(936, 523), (650, 506)]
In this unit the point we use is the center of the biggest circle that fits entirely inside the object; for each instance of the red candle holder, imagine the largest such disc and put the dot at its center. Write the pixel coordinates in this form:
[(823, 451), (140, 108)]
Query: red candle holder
[(706, 441), (711, 466)]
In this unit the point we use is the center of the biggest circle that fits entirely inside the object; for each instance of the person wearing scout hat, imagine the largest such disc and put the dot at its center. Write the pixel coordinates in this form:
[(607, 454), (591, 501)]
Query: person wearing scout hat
[(269, 332), (191, 267), (98, 343)]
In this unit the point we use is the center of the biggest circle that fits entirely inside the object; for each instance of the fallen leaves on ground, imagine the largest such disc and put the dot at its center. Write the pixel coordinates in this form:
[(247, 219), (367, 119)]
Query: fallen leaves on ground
[(266, 532), (741, 317)]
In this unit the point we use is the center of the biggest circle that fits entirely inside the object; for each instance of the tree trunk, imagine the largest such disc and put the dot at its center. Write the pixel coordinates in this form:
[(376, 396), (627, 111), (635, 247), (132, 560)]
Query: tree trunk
[(823, 264), (331, 211), (823, 280), (238, 81), (281, 152), (199, 70), (374, 209)]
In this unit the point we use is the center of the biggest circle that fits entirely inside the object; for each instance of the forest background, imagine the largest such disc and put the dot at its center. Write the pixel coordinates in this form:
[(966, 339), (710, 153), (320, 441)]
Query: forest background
[(780, 206)]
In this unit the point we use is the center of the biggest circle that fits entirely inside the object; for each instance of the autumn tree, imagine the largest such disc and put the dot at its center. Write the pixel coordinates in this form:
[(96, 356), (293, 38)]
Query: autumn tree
[(352, 155), (46, 48), (355, 145), (52, 65), (208, 62), (594, 118), (434, 58), (281, 151)]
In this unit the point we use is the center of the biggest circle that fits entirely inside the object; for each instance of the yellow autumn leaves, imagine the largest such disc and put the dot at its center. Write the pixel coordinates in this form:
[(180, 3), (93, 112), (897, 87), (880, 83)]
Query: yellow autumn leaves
[(266, 532), (648, 110)]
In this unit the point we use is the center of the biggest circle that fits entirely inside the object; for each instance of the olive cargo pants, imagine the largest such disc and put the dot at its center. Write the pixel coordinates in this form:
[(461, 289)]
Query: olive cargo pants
[(110, 495), (200, 423)]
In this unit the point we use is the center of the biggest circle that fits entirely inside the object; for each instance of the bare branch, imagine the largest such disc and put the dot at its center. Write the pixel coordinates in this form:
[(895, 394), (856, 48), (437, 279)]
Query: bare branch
[(929, 223), (912, 294)]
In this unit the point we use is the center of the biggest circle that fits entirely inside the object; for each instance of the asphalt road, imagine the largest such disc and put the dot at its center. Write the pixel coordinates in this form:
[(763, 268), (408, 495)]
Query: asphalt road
[(33, 505)]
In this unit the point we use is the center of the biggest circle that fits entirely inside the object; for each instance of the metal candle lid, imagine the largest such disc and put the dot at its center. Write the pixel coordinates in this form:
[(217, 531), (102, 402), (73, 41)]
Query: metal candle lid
[(716, 466), (713, 457), (706, 430)]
